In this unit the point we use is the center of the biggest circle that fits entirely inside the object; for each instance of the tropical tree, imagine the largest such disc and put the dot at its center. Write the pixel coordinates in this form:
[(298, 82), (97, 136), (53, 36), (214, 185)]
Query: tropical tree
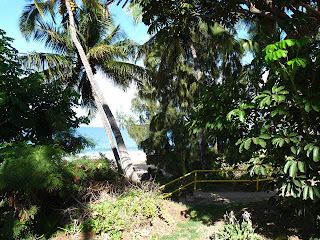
[(295, 18), (97, 51), (168, 99), (30, 109)]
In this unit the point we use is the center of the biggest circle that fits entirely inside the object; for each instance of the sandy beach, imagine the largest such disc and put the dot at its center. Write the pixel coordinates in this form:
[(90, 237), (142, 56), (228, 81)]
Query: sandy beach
[(138, 158)]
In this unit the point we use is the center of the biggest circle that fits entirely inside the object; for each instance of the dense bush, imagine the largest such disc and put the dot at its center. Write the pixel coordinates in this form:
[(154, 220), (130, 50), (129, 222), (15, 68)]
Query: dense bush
[(36, 180), (134, 209), (30, 109)]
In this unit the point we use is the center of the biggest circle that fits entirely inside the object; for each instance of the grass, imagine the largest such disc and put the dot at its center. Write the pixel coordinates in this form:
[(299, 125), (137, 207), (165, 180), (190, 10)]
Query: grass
[(188, 230), (200, 223)]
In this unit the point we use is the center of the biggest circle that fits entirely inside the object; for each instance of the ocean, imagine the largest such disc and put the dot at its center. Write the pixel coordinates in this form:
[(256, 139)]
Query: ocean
[(99, 136)]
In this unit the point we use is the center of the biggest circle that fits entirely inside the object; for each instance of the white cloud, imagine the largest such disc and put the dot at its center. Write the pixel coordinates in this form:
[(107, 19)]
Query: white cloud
[(117, 99)]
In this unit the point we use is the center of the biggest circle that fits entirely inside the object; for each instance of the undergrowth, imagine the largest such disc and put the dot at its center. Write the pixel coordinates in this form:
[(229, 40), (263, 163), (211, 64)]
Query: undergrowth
[(35, 182), (136, 208)]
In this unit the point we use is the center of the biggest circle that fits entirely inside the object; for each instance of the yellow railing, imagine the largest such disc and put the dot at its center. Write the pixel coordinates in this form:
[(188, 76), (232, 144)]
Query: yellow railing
[(195, 181)]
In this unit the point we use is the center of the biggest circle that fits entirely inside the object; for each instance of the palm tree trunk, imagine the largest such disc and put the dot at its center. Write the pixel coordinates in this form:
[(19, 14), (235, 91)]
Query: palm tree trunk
[(202, 142), (103, 107), (106, 125)]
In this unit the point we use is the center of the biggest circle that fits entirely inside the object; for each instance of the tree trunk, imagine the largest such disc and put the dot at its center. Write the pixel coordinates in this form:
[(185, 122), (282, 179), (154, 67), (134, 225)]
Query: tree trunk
[(103, 107), (202, 143), (110, 136)]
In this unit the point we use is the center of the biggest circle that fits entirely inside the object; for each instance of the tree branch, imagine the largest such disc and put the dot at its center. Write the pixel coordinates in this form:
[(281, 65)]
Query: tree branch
[(310, 9)]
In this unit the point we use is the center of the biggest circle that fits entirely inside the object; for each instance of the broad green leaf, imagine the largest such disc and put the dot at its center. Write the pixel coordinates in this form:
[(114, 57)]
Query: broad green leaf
[(262, 143), (282, 98), (316, 154), (241, 147), (315, 107), (309, 151), (273, 89), (302, 62), (305, 193), (231, 114), (290, 42), (247, 143), (274, 112), (308, 146), (293, 169), (264, 136), (316, 191), (287, 165), (267, 92), (255, 140), (297, 183), (268, 100), (270, 48), (307, 107), (293, 150), (260, 96), (275, 141), (302, 166), (284, 43), (281, 142), (299, 150), (242, 116), (257, 169), (294, 140), (280, 54), (277, 90), (311, 193)]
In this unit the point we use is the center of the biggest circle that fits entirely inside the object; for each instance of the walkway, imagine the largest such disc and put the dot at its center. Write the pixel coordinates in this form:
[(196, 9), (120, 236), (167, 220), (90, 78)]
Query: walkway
[(225, 197)]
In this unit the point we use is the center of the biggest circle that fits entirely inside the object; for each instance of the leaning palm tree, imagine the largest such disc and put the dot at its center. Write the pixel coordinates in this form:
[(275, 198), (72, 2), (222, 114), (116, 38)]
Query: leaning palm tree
[(90, 50)]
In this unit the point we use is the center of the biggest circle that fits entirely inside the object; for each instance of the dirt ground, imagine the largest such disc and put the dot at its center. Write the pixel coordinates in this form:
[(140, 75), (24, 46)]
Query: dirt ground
[(177, 214)]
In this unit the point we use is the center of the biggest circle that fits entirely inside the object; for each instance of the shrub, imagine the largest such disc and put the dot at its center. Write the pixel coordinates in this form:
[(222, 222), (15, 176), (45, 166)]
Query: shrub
[(129, 211), (36, 180), (234, 230)]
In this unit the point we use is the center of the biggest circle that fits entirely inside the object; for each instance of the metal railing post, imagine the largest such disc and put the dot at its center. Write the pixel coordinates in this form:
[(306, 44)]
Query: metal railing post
[(211, 181), (195, 181)]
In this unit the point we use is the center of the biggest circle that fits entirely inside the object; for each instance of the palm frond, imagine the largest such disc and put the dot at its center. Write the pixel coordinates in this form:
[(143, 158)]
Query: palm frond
[(123, 73), (106, 52), (113, 36), (54, 66), (135, 10), (35, 14)]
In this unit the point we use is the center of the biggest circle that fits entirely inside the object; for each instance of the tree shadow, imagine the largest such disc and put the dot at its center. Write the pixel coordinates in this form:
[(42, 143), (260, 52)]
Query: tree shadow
[(266, 217)]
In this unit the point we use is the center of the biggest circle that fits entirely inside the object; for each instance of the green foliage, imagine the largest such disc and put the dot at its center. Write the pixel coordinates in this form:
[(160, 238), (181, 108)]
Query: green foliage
[(105, 45), (35, 180), (27, 170), (167, 100), (177, 13), (92, 170), (287, 125), (32, 110), (129, 211), (234, 230), (30, 170)]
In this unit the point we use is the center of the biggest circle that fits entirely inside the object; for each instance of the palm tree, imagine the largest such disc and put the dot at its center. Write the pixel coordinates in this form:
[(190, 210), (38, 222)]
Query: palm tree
[(204, 52), (96, 53)]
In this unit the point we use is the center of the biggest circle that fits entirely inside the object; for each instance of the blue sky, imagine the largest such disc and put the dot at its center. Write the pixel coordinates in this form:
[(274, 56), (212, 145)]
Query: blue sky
[(11, 10), (118, 100)]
